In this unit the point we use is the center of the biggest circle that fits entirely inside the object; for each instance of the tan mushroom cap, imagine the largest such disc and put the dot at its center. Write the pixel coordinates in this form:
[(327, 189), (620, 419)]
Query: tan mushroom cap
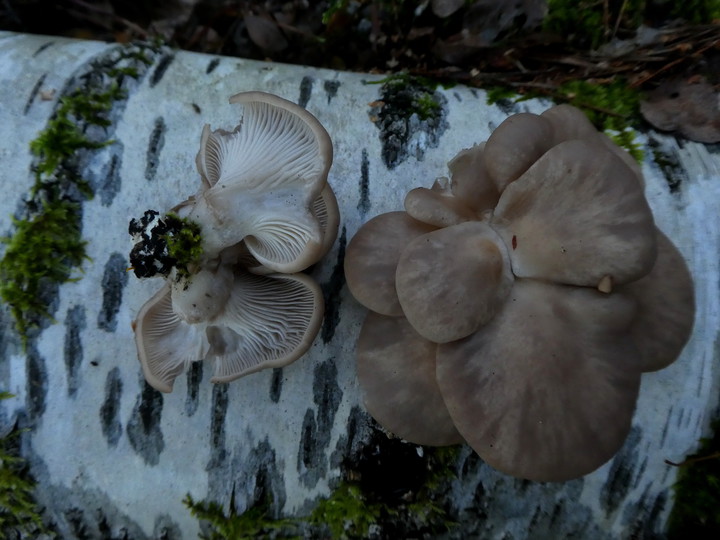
[(515, 145), (261, 181), (372, 256), (571, 123), (166, 345), (453, 280), (576, 216), (546, 390), (269, 322), (666, 308), (471, 182), (438, 206), (396, 370)]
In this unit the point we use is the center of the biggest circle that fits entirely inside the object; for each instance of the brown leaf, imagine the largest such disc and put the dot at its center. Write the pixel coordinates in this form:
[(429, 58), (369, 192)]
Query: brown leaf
[(445, 8), (265, 33), (691, 109)]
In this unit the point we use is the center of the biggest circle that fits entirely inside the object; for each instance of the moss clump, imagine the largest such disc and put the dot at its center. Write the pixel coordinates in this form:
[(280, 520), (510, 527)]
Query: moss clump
[(46, 246), (19, 513), (696, 511), (590, 23), (253, 523), (393, 492), (163, 244)]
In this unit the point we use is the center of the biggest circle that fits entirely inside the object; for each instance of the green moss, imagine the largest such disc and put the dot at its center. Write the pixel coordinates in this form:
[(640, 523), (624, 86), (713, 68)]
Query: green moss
[(352, 511), (696, 11), (184, 243), (696, 510), (19, 513), (256, 522), (590, 23), (46, 247)]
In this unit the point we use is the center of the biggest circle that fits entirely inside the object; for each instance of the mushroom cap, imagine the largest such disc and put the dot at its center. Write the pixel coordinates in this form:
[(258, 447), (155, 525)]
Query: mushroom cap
[(265, 322), (372, 256), (471, 182), (453, 280), (547, 389), (396, 370), (438, 206), (269, 322), (666, 308), (577, 215), (261, 181), (166, 345)]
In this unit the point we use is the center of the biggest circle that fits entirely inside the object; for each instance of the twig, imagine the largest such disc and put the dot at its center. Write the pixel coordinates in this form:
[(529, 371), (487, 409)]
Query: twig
[(692, 460)]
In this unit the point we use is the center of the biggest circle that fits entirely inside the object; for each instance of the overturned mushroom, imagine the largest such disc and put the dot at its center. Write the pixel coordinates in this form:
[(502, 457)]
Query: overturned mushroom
[(526, 296), (231, 253)]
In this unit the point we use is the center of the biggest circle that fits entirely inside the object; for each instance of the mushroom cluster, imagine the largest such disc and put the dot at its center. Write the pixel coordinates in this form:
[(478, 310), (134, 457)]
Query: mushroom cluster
[(264, 212), (516, 306)]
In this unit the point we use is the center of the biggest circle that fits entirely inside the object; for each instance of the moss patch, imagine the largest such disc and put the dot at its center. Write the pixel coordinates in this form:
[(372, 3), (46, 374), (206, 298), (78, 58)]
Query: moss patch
[(696, 511), (19, 513), (390, 489), (408, 105), (46, 247)]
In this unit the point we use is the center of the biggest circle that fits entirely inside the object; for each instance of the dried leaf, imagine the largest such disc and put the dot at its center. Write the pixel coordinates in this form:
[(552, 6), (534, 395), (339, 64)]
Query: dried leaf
[(265, 33), (489, 18), (691, 109), (445, 8)]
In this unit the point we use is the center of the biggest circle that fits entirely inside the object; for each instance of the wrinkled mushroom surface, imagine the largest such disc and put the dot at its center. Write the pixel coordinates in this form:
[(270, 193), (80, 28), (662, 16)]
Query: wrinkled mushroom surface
[(265, 212), (526, 296)]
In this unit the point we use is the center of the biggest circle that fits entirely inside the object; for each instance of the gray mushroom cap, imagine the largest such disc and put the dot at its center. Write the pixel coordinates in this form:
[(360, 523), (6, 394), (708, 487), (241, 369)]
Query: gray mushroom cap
[(396, 370), (261, 184), (546, 390)]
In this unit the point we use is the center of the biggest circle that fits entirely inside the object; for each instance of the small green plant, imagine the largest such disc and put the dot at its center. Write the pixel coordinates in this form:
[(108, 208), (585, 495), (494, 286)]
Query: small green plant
[(19, 513), (184, 244)]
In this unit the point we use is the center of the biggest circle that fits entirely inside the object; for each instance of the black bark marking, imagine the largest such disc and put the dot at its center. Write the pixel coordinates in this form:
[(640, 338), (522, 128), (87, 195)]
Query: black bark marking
[(215, 62), (162, 66), (114, 281), (364, 202), (276, 384), (155, 146), (194, 378), (507, 106), (622, 471), (305, 90), (317, 429), (166, 529), (220, 401), (143, 429), (72, 348), (110, 410), (331, 292), (33, 93), (37, 383), (331, 89), (110, 182), (43, 47), (269, 482)]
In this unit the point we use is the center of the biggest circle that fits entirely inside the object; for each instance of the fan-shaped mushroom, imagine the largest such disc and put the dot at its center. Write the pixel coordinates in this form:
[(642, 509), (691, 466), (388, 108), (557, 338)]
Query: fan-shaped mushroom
[(265, 212), (526, 298)]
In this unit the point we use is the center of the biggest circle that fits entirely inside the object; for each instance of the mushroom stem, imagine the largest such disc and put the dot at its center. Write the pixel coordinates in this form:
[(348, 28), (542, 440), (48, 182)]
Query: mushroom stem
[(606, 284)]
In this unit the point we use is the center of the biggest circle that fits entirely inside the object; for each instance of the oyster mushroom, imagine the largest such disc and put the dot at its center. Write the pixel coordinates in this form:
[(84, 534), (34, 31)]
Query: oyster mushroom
[(526, 296), (264, 212)]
